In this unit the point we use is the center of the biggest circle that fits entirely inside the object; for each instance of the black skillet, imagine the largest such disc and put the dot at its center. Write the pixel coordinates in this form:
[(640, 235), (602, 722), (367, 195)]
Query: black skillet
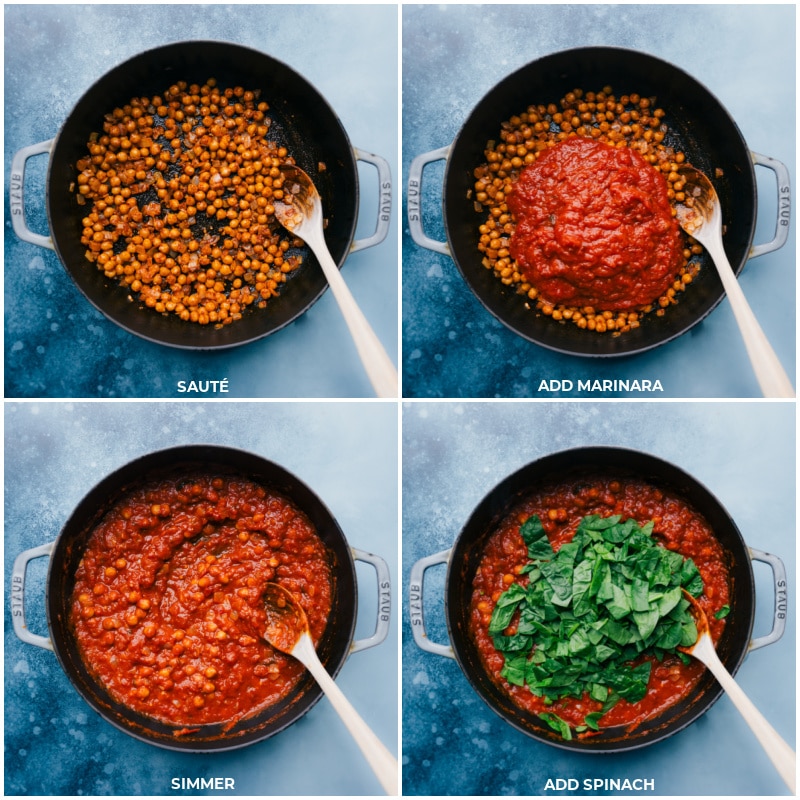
[(302, 120), (700, 126), (66, 552), (463, 559)]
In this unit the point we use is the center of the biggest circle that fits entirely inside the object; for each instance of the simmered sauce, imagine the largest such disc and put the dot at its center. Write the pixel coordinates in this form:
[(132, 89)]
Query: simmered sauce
[(594, 227), (167, 606), (677, 527)]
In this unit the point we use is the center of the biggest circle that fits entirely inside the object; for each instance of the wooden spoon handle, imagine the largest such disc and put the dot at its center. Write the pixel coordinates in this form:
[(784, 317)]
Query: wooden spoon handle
[(379, 367), (779, 752), (771, 376), (383, 763)]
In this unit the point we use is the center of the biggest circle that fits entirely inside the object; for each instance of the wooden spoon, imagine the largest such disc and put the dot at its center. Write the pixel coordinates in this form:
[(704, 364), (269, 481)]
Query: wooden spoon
[(287, 631), (300, 212), (779, 752), (700, 215)]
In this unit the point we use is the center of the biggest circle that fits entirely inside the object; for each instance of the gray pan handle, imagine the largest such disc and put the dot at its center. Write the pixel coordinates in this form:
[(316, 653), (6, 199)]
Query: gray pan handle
[(21, 628), (780, 608), (17, 195), (384, 600), (414, 200), (18, 595), (784, 205), (385, 200), (415, 594), (23, 232), (416, 584)]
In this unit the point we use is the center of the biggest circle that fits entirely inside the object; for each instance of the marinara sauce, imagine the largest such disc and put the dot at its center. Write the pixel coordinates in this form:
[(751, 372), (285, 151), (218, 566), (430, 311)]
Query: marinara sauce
[(167, 607), (594, 227), (560, 508)]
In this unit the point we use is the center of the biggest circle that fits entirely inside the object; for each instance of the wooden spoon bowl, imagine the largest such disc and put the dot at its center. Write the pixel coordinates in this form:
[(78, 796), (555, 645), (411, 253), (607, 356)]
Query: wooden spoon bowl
[(287, 631), (779, 752)]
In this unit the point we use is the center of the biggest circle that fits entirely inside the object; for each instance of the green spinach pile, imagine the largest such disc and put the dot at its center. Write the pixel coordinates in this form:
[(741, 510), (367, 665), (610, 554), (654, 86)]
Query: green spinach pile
[(608, 596)]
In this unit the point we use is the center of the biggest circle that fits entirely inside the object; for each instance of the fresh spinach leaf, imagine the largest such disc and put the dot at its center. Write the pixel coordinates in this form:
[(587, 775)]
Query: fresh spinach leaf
[(514, 670), (591, 610), (533, 534), (513, 644), (646, 622), (557, 724), (507, 604)]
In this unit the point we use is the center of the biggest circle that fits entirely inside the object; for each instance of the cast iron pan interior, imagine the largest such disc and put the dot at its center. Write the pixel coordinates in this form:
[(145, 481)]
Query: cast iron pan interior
[(302, 121), (567, 465), (703, 130), (332, 649)]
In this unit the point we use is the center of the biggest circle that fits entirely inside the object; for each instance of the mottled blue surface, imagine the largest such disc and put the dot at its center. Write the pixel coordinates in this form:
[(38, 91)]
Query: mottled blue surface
[(452, 57), (455, 453), (57, 344), (56, 452)]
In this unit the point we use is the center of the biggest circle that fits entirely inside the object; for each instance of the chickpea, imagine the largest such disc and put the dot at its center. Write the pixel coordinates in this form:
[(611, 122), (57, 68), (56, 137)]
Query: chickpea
[(630, 121), (215, 141)]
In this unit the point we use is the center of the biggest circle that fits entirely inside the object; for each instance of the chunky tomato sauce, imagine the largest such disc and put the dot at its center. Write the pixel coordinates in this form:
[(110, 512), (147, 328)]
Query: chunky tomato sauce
[(594, 227), (677, 527), (167, 607)]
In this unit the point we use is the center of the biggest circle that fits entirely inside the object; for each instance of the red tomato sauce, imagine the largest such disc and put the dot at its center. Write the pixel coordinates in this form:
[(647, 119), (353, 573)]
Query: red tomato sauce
[(594, 227), (167, 607), (561, 507)]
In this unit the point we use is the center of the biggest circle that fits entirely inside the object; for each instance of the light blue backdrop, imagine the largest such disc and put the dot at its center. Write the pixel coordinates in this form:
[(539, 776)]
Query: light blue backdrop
[(452, 57), (57, 344), (56, 452), (455, 453)]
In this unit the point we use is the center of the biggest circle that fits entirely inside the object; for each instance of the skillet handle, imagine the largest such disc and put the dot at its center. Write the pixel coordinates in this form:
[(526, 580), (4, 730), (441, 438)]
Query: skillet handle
[(414, 200), (18, 595), (16, 195), (779, 610), (385, 200), (784, 205), (415, 594), (384, 600)]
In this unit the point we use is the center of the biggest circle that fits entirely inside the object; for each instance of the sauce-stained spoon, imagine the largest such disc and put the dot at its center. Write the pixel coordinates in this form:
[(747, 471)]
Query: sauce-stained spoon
[(300, 212), (779, 752), (287, 631), (700, 215)]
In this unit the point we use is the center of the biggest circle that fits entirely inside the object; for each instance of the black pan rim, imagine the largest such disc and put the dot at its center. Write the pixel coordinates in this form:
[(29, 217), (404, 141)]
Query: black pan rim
[(589, 458), (233, 335), (210, 739), (500, 301)]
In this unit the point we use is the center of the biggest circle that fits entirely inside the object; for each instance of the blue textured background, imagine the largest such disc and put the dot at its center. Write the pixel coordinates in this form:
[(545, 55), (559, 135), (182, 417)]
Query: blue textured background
[(455, 453), (452, 57), (57, 344), (55, 452)]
